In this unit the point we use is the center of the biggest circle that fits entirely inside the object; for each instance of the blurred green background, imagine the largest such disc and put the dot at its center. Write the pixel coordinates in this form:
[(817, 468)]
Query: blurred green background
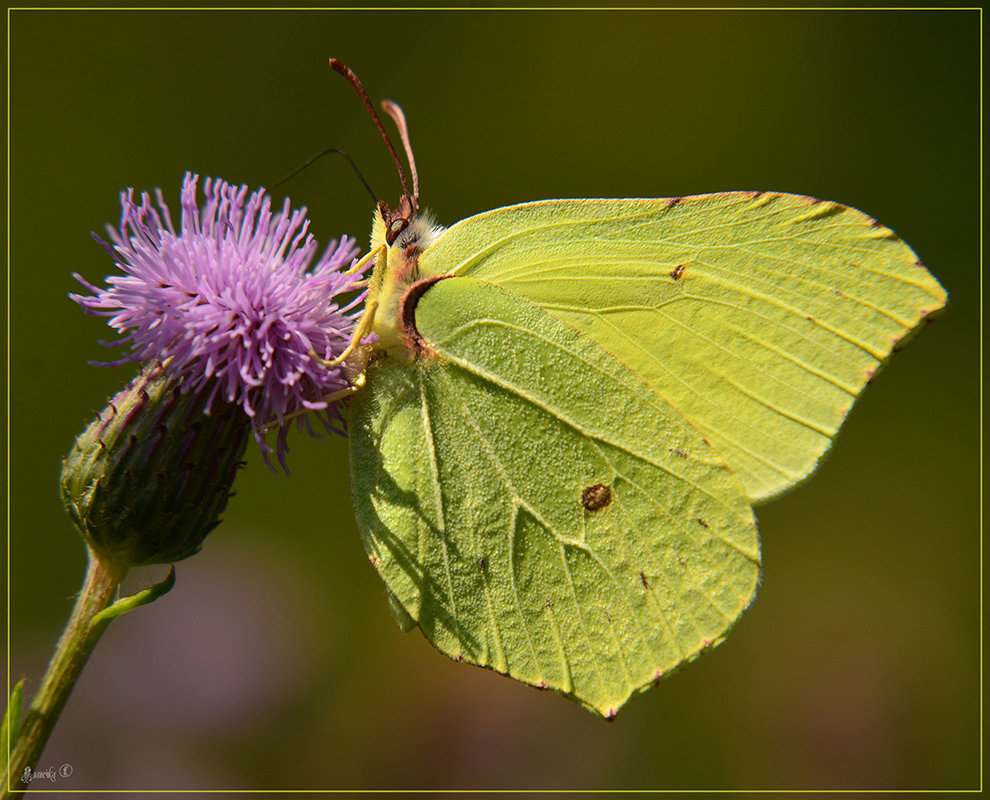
[(275, 663)]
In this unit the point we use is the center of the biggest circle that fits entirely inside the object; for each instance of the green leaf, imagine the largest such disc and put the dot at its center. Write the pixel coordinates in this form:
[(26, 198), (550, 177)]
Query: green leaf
[(133, 601), (759, 316), (11, 723), (538, 509)]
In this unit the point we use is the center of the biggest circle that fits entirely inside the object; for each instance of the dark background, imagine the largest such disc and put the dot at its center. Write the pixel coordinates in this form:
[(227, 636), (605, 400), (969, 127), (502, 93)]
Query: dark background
[(274, 663)]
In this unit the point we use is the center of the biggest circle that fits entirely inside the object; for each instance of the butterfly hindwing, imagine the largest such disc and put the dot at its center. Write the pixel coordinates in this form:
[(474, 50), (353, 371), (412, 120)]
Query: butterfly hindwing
[(538, 509)]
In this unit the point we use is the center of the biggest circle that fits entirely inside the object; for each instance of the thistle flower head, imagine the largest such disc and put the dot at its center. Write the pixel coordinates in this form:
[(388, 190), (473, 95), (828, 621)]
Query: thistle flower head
[(236, 302)]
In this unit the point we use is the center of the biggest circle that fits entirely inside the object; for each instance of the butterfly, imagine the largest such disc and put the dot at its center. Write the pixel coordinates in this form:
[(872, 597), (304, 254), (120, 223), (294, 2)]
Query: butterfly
[(569, 408)]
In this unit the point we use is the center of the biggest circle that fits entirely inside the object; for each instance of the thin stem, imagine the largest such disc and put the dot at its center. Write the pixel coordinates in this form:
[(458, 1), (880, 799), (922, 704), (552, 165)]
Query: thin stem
[(76, 643)]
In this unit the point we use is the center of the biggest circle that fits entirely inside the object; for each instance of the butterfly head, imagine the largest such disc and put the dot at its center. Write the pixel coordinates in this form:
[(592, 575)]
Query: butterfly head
[(398, 221), (406, 231)]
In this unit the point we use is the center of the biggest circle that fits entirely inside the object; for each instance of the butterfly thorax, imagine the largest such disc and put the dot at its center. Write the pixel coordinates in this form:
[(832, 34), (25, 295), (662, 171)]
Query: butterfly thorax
[(396, 270)]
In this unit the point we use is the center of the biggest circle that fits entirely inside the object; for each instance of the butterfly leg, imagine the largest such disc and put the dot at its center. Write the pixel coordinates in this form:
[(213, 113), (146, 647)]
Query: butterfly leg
[(364, 261), (367, 319), (363, 329), (340, 394)]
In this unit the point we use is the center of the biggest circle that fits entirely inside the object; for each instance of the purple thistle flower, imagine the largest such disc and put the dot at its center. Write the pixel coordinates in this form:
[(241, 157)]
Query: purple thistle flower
[(229, 304)]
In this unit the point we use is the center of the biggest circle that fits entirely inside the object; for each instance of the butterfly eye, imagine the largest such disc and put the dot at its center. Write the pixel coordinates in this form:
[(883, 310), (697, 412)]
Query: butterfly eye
[(396, 227)]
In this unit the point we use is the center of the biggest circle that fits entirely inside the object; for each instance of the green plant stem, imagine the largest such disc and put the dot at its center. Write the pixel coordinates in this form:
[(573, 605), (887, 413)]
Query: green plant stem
[(76, 643)]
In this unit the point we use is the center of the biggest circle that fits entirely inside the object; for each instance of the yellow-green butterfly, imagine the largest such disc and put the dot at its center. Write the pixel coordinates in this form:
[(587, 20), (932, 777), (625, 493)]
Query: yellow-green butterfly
[(571, 405)]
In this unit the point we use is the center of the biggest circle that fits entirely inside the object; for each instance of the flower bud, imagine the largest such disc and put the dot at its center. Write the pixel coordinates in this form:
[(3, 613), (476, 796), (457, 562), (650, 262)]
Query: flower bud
[(148, 479)]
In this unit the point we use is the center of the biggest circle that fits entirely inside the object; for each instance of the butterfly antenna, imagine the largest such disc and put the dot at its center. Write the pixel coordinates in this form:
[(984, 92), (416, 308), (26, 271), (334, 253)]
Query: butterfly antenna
[(394, 110), (316, 158), (352, 79)]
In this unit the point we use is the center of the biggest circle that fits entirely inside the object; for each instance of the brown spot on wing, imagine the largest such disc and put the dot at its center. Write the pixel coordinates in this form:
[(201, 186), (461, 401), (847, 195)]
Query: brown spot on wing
[(595, 497)]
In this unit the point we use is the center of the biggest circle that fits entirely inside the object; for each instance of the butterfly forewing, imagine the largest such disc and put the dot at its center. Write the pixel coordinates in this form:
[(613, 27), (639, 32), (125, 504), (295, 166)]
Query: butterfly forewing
[(759, 316), (540, 510)]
